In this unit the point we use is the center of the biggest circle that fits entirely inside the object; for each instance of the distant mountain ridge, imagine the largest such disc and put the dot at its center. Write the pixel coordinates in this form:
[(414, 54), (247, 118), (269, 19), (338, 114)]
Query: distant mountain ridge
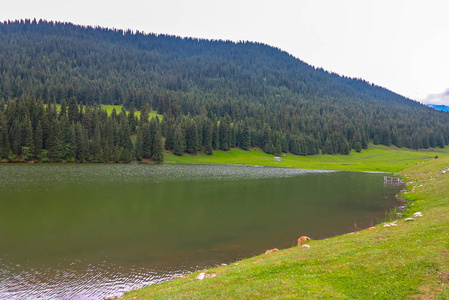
[(439, 107)]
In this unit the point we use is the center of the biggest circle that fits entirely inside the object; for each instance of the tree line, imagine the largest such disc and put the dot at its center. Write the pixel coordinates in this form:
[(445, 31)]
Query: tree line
[(33, 131)]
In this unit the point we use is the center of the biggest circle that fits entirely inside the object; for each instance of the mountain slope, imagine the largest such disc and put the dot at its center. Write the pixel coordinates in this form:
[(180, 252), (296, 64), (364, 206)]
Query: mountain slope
[(261, 96), (58, 60)]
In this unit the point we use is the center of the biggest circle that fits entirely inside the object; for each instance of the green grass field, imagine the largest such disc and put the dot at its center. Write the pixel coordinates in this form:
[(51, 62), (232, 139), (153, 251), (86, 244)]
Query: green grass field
[(407, 261), (376, 158)]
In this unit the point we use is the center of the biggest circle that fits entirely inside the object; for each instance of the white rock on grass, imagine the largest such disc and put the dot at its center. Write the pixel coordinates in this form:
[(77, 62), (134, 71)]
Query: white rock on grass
[(201, 276), (391, 224), (306, 246), (417, 214), (410, 219)]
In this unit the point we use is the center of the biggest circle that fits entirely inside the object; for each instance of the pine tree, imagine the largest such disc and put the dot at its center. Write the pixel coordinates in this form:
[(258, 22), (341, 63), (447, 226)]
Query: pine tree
[(215, 137), (73, 110), (225, 133), (54, 143), (158, 148), (154, 126), (246, 138), (132, 119), (63, 109), (14, 137), (207, 133), (145, 113), (95, 146), (146, 141), (277, 151), (327, 149), (4, 140), (170, 134), (70, 146), (81, 146), (358, 147), (191, 135), (138, 149), (180, 143)]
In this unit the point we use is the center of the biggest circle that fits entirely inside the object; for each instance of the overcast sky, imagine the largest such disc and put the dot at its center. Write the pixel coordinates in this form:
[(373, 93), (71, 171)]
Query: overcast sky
[(402, 45)]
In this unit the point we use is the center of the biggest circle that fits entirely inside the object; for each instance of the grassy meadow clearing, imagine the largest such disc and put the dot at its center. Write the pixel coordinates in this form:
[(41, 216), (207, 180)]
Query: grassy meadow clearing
[(118, 109), (407, 261), (377, 158)]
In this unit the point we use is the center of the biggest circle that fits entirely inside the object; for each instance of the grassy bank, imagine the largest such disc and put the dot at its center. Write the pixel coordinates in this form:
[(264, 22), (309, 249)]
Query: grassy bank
[(376, 158), (407, 261)]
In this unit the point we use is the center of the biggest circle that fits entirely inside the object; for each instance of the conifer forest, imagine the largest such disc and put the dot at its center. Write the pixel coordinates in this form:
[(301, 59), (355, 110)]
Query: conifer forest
[(210, 95)]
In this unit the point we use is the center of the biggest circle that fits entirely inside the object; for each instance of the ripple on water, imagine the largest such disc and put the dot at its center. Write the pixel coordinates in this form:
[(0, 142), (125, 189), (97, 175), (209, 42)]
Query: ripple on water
[(93, 282), (48, 176)]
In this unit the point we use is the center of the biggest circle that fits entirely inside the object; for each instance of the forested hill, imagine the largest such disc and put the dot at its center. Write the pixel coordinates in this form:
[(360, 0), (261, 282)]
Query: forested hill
[(213, 94), (58, 60)]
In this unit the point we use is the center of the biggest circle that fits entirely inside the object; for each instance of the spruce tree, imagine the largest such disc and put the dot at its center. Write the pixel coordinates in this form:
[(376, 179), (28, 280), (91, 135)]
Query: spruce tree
[(327, 149), (146, 140), (54, 143), (81, 146), (70, 147), (191, 137), (4, 140), (138, 149), (278, 148), (63, 109), (158, 148), (358, 147), (132, 119), (215, 137), (145, 113), (180, 143), (170, 134), (225, 133), (246, 138), (73, 110), (207, 133)]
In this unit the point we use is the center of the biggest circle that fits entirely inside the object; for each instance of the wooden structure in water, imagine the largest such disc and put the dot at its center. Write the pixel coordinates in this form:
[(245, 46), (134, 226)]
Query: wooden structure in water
[(392, 179)]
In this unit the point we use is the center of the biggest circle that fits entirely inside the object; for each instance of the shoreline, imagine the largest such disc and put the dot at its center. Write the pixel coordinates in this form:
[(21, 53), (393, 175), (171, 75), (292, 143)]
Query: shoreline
[(414, 194)]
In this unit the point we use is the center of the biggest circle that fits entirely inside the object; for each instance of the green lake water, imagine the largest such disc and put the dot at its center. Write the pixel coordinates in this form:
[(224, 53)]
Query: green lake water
[(84, 231)]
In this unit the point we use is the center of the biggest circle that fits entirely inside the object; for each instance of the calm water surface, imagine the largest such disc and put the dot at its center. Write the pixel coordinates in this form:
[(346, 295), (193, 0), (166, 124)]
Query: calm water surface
[(87, 231)]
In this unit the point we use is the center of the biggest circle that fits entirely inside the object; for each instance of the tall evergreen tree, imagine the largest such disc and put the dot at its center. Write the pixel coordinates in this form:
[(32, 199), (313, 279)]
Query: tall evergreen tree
[(73, 110), (246, 138), (180, 143), (225, 133), (158, 148)]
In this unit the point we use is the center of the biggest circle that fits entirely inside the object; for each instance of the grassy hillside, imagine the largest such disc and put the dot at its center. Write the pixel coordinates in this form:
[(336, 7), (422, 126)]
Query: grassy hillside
[(410, 260)]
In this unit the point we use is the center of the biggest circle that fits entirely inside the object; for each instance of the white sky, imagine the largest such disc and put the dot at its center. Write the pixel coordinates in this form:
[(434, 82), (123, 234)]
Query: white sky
[(402, 45)]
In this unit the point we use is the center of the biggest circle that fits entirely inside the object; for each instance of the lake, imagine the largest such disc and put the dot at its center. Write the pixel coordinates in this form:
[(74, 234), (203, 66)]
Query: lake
[(84, 231)]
